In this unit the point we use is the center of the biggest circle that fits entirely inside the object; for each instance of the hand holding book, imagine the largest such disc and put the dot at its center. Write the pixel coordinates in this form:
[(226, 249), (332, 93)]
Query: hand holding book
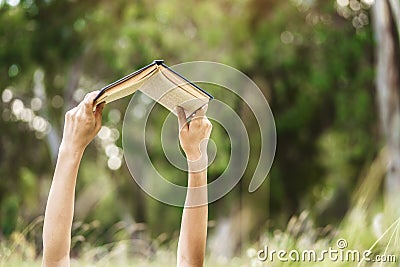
[(193, 137), (81, 124)]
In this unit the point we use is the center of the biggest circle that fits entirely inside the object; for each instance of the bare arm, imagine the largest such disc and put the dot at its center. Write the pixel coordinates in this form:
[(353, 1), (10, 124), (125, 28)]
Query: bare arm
[(81, 126), (192, 238)]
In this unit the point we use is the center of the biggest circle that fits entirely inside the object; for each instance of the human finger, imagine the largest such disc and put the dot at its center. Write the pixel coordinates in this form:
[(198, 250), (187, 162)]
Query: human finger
[(201, 112), (181, 118), (88, 102), (98, 115)]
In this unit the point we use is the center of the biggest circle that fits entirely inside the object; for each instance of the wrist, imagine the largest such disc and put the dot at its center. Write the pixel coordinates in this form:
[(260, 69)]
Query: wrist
[(197, 163), (71, 149), (196, 154), (193, 156)]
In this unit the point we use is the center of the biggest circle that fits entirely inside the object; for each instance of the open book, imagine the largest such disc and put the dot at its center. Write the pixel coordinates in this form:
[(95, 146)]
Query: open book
[(160, 83)]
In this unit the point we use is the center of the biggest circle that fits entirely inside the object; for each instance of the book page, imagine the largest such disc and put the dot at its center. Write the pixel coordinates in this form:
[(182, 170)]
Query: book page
[(128, 86), (124, 90), (170, 95)]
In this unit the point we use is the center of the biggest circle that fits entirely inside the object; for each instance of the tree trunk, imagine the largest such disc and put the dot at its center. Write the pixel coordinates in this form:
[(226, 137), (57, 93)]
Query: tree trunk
[(388, 91)]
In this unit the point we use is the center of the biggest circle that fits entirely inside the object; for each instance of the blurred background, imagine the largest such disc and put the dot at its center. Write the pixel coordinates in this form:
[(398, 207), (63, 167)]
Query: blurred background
[(329, 69)]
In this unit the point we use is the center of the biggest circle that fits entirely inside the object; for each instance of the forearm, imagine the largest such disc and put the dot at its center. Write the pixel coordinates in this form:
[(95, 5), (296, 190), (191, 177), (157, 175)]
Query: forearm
[(60, 205), (192, 240), (193, 137), (81, 125)]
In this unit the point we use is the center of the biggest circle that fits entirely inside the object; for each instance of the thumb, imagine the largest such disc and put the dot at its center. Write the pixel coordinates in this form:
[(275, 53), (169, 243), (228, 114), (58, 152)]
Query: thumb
[(98, 115), (183, 125)]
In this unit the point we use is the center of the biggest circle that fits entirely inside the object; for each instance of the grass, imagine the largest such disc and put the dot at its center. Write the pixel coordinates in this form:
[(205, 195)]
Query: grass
[(359, 229), (365, 227)]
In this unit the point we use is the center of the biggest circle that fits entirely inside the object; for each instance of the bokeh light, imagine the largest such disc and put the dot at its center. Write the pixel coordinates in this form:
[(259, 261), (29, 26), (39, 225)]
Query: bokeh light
[(13, 70), (36, 103), (57, 101), (13, 3), (7, 95)]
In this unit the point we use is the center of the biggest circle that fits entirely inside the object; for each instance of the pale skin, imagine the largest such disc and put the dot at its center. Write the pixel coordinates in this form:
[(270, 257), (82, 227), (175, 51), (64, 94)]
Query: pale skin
[(81, 125)]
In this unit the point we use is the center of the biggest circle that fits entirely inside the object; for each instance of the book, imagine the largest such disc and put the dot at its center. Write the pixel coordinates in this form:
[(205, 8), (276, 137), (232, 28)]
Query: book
[(162, 84)]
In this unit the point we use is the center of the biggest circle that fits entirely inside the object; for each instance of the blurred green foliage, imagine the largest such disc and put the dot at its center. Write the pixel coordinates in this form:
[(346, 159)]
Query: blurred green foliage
[(314, 65)]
